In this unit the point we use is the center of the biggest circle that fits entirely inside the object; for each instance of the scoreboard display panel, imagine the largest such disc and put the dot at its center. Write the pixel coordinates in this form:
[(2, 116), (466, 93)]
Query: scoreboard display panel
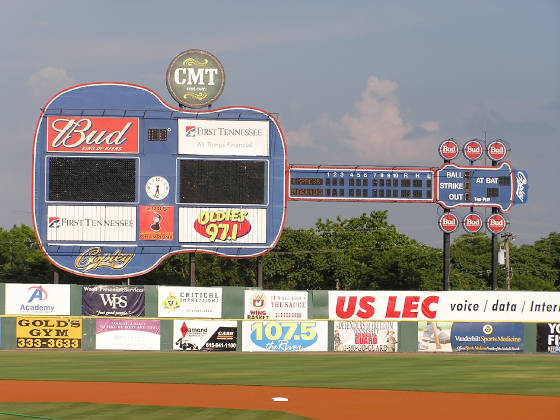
[(122, 180), (361, 184)]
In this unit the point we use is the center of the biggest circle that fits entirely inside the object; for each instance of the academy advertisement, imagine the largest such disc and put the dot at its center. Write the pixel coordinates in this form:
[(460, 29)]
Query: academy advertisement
[(365, 336), (269, 304), (37, 299), (285, 336), (127, 334), (467, 306), (113, 300), (194, 335), (548, 337), (189, 302), (48, 333)]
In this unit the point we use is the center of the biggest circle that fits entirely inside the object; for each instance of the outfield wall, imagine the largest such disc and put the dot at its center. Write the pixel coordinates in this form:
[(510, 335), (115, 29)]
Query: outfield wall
[(176, 318)]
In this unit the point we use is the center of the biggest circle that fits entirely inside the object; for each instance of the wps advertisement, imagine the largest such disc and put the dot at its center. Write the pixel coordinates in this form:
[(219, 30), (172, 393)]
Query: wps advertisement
[(48, 333), (362, 336), (113, 300), (189, 335), (285, 336), (445, 306), (189, 302), (127, 334), (548, 337), (33, 299), (267, 304), (223, 138)]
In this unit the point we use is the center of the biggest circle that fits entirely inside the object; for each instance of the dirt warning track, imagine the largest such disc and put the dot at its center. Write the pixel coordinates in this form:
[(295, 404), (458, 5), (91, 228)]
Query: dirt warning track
[(317, 403)]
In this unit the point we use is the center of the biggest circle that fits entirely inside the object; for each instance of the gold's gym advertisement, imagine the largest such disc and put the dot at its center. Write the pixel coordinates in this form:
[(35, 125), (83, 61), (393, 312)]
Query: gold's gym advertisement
[(48, 333)]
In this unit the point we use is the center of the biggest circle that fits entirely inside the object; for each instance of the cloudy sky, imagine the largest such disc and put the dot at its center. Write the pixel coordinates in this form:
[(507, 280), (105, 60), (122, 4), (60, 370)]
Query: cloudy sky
[(354, 83)]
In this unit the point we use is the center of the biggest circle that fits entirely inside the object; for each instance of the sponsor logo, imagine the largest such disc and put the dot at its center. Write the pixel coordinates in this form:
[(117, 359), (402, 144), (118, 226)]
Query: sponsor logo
[(222, 225), (496, 150), (521, 181), (258, 300), (472, 223), (156, 223), (87, 222), (92, 134), (448, 149), (496, 223), (448, 222), (37, 292), (171, 302), (54, 222), (195, 78), (472, 150), (190, 131), (92, 259), (113, 300)]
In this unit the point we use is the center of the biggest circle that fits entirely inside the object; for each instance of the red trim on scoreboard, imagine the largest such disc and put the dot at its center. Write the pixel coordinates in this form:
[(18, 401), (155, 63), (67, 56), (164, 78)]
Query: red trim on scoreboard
[(92, 134)]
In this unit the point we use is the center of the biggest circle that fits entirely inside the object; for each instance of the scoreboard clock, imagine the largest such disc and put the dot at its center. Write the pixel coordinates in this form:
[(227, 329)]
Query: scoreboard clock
[(123, 180)]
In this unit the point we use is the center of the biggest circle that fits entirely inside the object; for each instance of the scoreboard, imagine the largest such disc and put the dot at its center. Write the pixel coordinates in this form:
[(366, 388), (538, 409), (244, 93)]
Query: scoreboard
[(336, 183), (122, 180)]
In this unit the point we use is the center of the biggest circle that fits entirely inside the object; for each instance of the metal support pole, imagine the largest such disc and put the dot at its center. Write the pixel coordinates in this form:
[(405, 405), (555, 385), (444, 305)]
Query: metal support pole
[(193, 268), (495, 249), (55, 277), (259, 272), (446, 258)]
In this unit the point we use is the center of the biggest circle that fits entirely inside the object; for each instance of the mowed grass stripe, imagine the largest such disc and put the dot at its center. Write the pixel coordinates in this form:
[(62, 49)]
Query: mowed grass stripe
[(501, 374)]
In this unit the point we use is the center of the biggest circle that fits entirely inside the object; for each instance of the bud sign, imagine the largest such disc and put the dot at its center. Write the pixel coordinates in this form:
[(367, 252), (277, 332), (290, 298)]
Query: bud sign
[(472, 150), (496, 150), (496, 223), (448, 149), (448, 222), (472, 222)]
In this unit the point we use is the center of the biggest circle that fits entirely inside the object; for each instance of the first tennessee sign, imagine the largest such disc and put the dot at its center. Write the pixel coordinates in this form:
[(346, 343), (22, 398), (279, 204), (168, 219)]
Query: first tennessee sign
[(92, 134)]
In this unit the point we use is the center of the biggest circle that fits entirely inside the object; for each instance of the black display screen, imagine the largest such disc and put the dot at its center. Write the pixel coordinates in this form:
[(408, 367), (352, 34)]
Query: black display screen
[(222, 181), (92, 180)]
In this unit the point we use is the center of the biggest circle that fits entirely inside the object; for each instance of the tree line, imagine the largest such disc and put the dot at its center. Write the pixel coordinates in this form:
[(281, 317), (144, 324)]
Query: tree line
[(359, 253)]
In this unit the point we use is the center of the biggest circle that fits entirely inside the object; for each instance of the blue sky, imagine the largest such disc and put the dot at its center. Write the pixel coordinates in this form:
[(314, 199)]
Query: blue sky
[(360, 82)]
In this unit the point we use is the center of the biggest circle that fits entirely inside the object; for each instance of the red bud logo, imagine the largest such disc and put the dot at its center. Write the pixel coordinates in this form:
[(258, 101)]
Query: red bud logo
[(472, 150), (222, 225), (496, 223), (496, 150), (472, 223), (448, 149), (448, 222)]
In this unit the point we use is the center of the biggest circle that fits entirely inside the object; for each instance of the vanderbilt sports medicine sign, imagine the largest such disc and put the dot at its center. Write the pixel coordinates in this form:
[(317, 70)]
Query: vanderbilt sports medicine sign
[(195, 78)]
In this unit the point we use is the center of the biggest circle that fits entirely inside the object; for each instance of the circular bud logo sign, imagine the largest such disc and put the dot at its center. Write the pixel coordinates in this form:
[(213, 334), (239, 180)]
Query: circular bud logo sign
[(472, 222), (472, 149), (496, 223), (496, 150), (448, 222), (448, 149), (195, 78)]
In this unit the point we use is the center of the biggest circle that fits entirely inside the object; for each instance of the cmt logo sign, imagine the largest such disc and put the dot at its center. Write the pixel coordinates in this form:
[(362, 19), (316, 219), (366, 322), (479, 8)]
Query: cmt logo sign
[(37, 293), (113, 300)]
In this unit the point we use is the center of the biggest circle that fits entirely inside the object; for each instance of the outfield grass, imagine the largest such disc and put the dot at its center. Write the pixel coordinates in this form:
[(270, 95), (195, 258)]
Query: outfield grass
[(500, 374)]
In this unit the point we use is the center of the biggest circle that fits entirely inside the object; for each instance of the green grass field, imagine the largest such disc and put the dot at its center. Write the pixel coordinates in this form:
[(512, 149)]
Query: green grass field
[(500, 374)]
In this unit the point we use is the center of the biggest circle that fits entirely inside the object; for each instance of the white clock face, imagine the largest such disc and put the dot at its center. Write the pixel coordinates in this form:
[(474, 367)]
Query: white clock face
[(157, 188)]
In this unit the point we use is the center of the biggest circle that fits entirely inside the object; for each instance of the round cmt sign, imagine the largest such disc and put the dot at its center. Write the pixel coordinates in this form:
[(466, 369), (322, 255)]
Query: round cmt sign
[(448, 222), (195, 78), (496, 150), (472, 223), (448, 149), (496, 223), (473, 149)]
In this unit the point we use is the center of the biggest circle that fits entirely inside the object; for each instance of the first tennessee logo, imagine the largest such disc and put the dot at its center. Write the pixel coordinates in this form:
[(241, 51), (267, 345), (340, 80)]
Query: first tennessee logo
[(190, 131)]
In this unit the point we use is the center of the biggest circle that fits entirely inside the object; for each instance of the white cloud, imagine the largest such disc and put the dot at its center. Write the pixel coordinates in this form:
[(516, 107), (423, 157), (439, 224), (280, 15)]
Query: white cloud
[(376, 131), (48, 81)]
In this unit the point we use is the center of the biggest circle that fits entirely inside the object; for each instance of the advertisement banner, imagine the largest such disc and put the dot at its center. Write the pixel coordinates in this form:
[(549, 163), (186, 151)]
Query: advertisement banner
[(475, 306), (33, 299), (285, 336), (481, 337), (113, 300), (91, 223), (548, 337), (189, 335), (218, 225), (440, 341), (127, 334), (92, 134), (362, 336), (156, 223), (223, 138), (48, 333), (189, 302), (268, 304)]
